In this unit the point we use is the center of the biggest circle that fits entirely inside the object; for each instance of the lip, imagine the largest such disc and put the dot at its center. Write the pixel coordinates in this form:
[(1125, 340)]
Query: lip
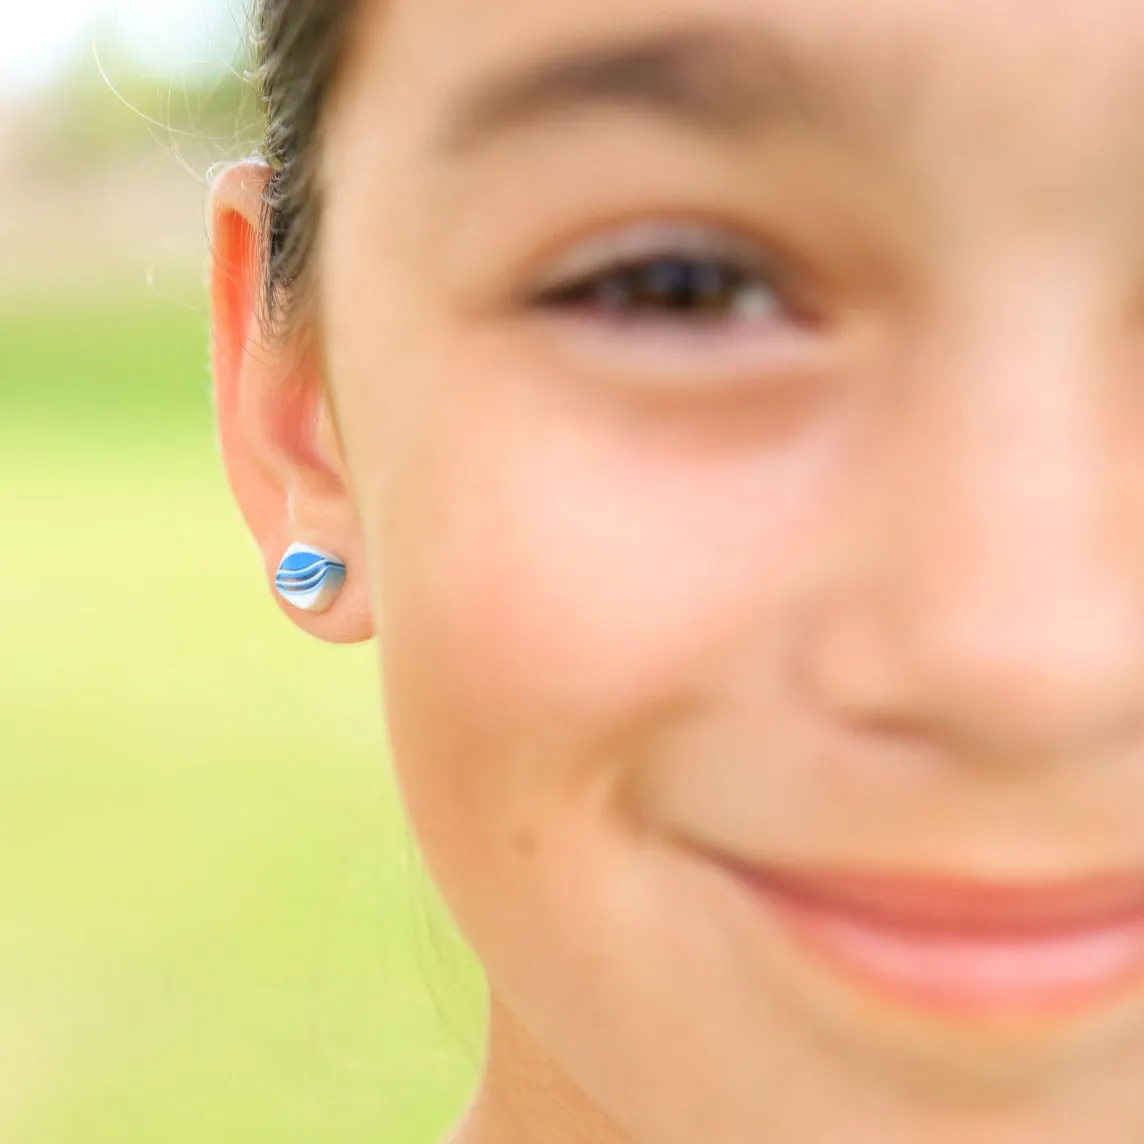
[(969, 948)]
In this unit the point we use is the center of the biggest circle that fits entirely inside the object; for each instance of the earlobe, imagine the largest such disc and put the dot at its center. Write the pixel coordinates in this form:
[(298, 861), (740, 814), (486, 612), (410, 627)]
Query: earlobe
[(282, 464)]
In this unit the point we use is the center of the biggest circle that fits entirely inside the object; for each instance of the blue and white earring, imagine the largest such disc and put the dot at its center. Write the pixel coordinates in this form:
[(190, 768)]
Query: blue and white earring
[(309, 579)]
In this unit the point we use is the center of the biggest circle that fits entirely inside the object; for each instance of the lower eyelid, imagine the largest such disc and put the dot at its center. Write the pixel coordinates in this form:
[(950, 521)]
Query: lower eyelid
[(656, 349)]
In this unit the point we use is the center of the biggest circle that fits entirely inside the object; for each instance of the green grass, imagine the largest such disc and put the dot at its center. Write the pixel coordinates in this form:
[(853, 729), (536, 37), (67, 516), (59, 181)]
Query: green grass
[(213, 925), (135, 360)]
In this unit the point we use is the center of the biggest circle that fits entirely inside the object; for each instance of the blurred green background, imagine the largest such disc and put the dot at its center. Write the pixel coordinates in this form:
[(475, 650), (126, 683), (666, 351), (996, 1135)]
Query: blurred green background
[(213, 923)]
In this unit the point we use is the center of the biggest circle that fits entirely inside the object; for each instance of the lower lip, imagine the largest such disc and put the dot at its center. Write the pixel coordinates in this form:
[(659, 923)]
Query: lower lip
[(971, 976)]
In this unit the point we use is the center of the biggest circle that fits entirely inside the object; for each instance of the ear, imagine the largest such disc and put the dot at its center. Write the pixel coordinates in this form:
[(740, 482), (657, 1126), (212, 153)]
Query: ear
[(275, 421)]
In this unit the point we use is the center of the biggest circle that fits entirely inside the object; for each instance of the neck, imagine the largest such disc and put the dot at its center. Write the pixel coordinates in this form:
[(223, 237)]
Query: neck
[(523, 1097)]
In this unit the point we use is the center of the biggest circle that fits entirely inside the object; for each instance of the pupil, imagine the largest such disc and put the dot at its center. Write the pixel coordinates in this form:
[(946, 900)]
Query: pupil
[(671, 283), (681, 286)]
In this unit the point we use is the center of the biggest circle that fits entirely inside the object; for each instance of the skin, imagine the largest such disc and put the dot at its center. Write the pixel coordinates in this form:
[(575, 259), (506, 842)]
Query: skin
[(855, 583)]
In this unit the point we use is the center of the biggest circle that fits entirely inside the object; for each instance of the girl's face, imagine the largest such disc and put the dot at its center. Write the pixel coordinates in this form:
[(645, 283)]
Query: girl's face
[(741, 463)]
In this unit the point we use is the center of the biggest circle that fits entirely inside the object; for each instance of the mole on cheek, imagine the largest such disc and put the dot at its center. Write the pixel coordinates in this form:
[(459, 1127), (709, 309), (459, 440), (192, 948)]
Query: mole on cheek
[(523, 842)]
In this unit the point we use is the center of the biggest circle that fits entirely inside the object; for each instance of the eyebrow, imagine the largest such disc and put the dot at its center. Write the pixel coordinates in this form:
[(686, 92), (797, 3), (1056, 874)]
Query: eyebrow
[(727, 78)]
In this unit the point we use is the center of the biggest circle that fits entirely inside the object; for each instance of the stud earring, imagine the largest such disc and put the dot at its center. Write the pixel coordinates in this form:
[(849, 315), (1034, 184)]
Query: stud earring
[(309, 579)]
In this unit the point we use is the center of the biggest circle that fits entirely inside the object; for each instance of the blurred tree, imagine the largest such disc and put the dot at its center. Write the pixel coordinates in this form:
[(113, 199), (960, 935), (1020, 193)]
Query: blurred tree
[(109, 103)]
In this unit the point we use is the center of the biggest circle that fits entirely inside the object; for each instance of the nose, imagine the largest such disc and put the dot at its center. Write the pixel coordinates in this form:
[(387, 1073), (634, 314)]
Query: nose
[(996, 607)]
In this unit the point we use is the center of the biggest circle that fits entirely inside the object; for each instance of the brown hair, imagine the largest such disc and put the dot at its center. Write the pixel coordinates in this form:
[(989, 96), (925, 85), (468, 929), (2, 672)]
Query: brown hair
[(298, 46)]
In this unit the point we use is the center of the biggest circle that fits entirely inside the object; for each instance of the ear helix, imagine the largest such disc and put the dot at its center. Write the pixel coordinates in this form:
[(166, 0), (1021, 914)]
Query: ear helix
[(309, 578)]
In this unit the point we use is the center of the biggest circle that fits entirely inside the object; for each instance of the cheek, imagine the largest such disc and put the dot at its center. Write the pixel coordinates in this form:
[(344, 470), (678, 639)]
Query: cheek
[(555, 587)]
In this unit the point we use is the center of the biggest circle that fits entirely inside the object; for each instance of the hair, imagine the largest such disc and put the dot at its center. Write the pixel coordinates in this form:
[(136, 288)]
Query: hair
[(298, 48)]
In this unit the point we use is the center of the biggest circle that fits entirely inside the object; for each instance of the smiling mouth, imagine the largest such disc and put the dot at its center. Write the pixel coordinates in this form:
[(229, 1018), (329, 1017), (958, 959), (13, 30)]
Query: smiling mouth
[(966, 949)]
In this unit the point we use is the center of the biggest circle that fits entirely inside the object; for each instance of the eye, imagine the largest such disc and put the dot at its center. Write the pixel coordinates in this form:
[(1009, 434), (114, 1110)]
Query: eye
[(671, 287), (671, 273)]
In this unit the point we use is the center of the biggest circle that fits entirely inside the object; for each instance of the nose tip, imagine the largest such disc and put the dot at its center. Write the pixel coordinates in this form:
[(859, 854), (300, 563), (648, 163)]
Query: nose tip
[(1025, 643), (1049, 672), (1046, 672)]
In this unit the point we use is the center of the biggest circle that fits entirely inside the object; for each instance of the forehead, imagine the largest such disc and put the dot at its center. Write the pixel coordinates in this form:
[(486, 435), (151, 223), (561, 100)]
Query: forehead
[(1028, 80), (1046, 96), (1062, 44)]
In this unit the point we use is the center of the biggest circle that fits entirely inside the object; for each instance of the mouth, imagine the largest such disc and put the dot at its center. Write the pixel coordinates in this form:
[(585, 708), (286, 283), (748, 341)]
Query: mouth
[(967, 949)]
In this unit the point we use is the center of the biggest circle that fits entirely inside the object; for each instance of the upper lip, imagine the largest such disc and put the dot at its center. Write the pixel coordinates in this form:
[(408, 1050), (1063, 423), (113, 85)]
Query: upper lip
[(960, 905)]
